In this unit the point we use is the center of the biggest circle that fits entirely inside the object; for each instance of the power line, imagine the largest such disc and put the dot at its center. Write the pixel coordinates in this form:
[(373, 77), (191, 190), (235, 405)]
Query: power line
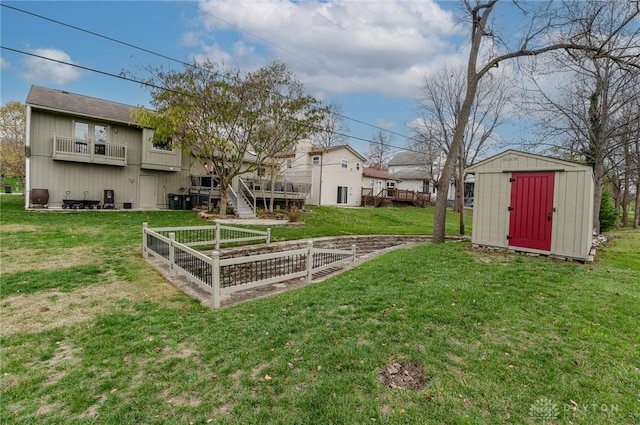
[(142, 49)]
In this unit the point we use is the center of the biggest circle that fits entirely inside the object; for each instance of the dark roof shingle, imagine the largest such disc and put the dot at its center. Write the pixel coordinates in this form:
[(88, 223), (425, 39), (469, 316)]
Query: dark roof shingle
[(64, 101)]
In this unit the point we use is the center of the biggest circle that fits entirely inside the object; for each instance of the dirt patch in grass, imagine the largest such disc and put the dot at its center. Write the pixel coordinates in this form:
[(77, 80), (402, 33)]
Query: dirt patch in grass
[(52, 309), (22, 259), (404, 375)]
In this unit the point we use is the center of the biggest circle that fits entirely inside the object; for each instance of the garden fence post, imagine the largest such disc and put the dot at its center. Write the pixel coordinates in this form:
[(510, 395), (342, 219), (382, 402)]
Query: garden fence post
[(172, 256), (145, 226), (353, 252), (309, 261), (217, 236), (268, 235), (215, 284)]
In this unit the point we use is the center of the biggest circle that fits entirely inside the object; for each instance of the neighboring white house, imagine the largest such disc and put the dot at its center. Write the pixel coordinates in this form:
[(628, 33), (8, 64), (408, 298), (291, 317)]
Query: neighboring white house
[(335, 173), (378, 180)]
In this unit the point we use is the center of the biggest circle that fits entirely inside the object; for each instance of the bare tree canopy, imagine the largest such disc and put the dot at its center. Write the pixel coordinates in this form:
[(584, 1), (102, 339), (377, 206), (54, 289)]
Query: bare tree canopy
[(591, 115), (379, 152), (549, 26), (12, 136), (331, 129), (439, 103)]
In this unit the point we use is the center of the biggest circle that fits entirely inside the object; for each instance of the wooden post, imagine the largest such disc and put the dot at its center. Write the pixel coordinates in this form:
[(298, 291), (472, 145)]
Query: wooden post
[(217, 236), (215, 284), (268, 235), (145, 226), (353, 252), (172, 255), (309, 261)]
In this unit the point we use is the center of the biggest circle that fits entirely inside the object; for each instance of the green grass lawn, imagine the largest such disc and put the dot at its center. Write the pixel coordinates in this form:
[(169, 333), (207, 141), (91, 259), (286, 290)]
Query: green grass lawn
[(92, 334)]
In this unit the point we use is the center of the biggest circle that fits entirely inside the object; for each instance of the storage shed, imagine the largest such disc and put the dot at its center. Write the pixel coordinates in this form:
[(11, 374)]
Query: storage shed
[(533, 203)]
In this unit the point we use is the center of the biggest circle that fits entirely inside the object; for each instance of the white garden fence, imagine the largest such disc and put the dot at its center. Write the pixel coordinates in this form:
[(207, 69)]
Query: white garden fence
[(222, 276)]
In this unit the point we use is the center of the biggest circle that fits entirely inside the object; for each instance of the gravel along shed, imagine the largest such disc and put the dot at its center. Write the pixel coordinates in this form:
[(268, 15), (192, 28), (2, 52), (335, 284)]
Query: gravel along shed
[(533, 203)]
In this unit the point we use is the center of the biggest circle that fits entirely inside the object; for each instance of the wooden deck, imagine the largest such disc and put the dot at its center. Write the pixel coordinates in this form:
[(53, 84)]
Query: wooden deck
[(388, 197)]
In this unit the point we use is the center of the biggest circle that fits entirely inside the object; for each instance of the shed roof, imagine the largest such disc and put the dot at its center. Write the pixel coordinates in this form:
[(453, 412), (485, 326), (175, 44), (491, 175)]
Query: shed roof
[(509, 161), (64, 101)]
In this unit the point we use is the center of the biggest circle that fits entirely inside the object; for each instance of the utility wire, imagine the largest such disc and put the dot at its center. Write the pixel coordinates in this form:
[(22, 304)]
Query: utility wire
[(133, 46), (145, 83)]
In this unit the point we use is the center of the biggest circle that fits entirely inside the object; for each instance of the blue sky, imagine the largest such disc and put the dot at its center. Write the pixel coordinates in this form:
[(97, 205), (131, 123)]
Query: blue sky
[(367, 55)]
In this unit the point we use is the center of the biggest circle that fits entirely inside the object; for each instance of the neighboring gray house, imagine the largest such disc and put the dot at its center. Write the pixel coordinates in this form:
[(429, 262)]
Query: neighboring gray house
[(412, 172)]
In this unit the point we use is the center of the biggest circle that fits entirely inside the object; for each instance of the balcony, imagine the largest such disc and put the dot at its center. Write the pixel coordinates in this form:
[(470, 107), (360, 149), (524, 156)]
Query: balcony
[(88, 151)]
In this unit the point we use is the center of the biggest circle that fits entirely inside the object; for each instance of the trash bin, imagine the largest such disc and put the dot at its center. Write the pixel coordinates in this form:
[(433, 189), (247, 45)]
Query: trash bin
[(174, 201), (7, 188), (186, 202)]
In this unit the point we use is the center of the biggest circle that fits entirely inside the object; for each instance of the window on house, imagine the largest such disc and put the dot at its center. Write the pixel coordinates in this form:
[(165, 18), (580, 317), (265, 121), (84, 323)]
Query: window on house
[(315, 160), (81, 130), (391, 185), (289, 163), (342, 194), (344, 163), (372, 182), (425, 186), (260, 172), (164, 145), (357, 165), (100, 133)]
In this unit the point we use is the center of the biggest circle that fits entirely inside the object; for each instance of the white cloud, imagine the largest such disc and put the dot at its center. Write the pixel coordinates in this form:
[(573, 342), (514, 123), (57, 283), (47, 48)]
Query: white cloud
[(338, 46), (3, 63), (38, 70)]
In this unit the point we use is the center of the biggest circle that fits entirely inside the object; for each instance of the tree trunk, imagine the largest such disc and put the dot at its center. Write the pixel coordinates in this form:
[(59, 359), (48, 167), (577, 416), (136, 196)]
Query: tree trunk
[(598, 172), (223, 199), (636, 218), (461, 189), (440, 215)]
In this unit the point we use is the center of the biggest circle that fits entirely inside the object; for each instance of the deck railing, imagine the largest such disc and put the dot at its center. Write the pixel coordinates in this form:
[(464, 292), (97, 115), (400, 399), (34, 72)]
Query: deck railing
[(87, 150), (222, 276), (214, 235)]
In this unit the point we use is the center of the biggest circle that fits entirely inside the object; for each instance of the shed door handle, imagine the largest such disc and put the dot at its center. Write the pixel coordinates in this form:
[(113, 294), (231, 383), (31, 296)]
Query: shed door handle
[(549, 217)]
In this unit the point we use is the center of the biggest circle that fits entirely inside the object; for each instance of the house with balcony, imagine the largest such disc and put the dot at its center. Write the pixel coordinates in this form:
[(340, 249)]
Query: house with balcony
[(78, 147)]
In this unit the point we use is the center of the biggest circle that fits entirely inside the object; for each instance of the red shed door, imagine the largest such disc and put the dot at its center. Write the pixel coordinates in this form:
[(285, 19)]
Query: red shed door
[(531, 210)]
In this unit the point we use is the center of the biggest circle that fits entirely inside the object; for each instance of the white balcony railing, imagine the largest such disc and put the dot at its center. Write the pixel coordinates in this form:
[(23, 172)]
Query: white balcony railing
[(83, 150)]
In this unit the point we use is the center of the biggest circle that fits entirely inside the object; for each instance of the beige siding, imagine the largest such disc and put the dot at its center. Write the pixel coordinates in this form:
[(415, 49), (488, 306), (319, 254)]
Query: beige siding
[(156, 159), (573, 218), (76, 177), (490, 214)]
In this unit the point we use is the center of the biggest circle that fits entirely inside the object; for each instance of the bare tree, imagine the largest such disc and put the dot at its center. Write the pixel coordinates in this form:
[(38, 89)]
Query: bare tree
[(332, 129), (441, 95), (552, 26), (379, 152), (590, 117)]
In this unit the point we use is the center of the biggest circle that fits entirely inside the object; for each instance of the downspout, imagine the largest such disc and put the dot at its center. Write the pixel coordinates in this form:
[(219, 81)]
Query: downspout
[(27, 154)]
